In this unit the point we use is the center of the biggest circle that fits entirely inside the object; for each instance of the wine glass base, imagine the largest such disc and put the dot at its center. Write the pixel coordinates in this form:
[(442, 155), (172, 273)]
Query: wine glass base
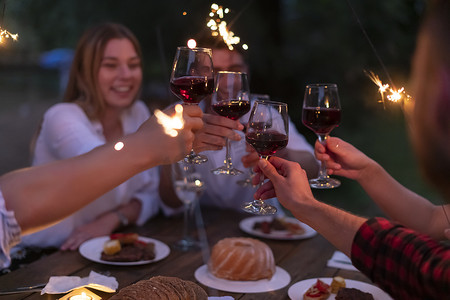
[(186, 244), (226, 171), (258, 207), (196, 159), (325, 183)]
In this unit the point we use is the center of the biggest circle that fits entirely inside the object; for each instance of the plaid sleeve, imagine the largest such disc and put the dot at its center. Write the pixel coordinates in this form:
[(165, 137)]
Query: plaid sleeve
[(404, 263)]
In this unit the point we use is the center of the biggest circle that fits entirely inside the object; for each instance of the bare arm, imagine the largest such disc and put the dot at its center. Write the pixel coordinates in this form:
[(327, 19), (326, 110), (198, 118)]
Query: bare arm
[(398, 202), (41, 195), (288, 182)]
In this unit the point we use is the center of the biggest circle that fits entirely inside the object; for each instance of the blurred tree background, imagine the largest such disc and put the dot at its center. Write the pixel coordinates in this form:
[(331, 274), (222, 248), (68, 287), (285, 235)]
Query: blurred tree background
[(291, 43)]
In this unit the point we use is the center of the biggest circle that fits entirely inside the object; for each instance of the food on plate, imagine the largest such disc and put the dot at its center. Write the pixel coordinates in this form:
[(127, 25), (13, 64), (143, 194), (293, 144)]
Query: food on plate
[(111, 247), (337, 283), (242, 259), (126, 247), (318, 291), (162, 287), (353, 294), (280, 224)]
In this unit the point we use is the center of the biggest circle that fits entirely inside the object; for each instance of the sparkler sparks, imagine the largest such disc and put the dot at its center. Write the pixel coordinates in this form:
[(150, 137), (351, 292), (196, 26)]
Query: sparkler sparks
[(388, 93), (219, 27), (171, 124), (5, 34)]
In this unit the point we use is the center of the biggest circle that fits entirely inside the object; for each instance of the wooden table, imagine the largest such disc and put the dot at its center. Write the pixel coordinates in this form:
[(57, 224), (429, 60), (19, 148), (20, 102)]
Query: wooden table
[(302, 259)]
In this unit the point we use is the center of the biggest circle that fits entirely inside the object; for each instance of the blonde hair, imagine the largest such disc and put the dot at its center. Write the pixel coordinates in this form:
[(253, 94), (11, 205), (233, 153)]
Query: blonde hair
[(82, 87)]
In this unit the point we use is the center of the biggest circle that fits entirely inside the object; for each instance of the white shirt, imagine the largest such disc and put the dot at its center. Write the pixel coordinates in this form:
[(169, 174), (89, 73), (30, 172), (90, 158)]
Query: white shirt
[(66, 132), (9, 233)]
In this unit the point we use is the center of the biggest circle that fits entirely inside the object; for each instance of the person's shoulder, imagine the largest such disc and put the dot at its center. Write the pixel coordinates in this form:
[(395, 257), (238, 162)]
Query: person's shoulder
[(64, 107)]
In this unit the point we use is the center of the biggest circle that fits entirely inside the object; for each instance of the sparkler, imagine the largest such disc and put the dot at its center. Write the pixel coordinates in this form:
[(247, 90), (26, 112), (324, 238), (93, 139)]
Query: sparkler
[(171, 124), (388, 93), (219, 27), (5, 34)]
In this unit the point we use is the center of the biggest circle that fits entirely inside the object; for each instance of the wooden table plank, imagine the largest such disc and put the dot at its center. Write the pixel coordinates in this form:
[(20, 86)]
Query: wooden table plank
[(302, 259)]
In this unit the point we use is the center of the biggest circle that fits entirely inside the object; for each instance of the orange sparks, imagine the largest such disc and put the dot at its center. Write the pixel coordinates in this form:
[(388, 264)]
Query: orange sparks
[(386, 92)]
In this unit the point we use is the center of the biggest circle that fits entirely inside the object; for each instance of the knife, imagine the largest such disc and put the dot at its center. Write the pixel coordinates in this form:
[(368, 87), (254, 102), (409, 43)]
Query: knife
[(24, 289)]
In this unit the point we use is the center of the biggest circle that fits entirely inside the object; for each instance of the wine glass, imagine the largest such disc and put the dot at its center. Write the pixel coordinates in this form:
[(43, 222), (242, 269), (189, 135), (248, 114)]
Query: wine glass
[(231, 100), (192, 79), (247, 181), (267, 132), (188, 186), (321, 113)]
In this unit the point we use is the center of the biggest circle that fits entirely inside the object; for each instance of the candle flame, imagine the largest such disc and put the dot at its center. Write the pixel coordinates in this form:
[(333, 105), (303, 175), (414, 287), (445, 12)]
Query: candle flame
[(171, 124), (5, 34), (387, 92)]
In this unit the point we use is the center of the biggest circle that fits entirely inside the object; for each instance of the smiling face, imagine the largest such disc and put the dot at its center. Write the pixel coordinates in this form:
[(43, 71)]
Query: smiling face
[(120, 74)]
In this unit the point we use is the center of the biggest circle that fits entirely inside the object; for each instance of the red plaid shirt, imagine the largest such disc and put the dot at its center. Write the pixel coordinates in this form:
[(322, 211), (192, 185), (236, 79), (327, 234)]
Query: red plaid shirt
[(404, 263)]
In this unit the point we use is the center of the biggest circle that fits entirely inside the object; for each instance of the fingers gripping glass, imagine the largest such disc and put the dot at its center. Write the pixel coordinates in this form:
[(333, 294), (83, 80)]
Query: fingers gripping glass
[(267, 132), (322, 113), (231, 100), (192, 80)]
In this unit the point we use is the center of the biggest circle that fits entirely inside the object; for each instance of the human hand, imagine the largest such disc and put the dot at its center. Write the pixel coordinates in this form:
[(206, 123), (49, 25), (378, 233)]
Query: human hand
[(342, 158), (214, 132), (288, 182), (166, 148), (97, 228)]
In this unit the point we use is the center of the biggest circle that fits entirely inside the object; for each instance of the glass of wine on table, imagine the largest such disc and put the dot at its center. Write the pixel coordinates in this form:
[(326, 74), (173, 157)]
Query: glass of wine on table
[(322, 113), (192, 80), (230, 99), (188, 186), (267, 132)]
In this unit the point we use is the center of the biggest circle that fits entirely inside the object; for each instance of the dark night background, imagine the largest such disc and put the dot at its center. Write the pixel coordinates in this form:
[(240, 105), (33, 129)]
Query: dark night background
[(291, 43)]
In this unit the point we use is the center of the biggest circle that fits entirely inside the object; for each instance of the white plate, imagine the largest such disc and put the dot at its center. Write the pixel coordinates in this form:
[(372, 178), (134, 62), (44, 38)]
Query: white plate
[(297, 290), (92, 250), (279, 280), (246, 225)]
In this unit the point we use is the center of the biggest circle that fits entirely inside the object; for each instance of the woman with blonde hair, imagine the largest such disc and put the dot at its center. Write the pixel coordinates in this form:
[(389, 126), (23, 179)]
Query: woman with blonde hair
[(100, 105)]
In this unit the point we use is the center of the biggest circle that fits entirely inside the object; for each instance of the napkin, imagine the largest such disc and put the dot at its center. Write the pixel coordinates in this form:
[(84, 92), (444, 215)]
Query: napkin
[(341, 261), (64, 284)]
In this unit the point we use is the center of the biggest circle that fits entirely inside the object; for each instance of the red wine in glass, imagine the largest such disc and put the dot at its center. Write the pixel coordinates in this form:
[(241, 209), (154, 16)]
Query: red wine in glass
[(322, 113), (192, 80), (267, 131), (232, 109), (321, 120), (231, 100), (267, 143), (192, 89)]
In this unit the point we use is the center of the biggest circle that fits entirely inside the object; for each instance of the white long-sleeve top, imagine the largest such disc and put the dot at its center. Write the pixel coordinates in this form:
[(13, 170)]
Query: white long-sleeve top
[(67, 132)]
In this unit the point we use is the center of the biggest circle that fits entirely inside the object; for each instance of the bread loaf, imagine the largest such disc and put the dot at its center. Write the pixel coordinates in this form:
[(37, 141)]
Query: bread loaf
[(162, 287), (241, 259)]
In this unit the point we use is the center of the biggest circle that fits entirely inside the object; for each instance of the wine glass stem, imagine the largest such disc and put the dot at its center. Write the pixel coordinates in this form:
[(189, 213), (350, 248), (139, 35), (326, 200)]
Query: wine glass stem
[(323, 167), (228, 161), (187, 228)]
